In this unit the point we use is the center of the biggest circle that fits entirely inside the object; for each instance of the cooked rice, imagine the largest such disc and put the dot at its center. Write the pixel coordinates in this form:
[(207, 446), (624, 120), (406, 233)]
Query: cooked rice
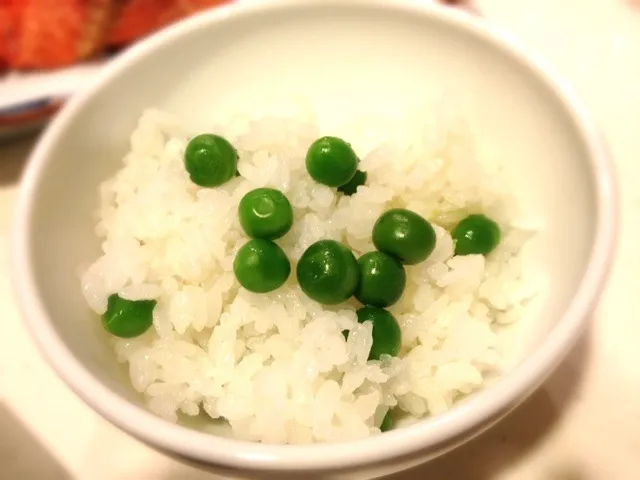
[(276, 366)]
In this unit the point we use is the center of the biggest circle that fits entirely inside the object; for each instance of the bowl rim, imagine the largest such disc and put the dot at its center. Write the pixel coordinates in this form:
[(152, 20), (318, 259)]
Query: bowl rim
[(424, 435)]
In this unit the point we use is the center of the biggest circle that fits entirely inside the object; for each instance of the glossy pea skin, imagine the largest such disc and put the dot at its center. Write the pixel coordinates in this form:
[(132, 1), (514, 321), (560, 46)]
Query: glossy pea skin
[(387, 337), (210, 160), (328, 272), (387, 422), (127, 318), (261, 266), (265, 213), (382, 279), (405, 235), (476, 234), (351, 187), (331, 161)]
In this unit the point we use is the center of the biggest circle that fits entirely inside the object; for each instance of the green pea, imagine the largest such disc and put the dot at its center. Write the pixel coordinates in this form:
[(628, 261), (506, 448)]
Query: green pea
[(261, 266), (328, 272), (405, 235), (387, 337), (127, 318), (382, 279), (210, 160), (387, 422), (476, 234), (331, 161), (265, 213), (352, 185)]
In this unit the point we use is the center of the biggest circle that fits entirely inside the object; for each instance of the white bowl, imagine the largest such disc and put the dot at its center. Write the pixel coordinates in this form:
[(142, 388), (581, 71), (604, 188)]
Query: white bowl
[(346, 54)]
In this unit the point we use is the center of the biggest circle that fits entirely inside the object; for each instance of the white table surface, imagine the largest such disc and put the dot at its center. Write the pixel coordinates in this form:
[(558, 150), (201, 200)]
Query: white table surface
[(583, 424)]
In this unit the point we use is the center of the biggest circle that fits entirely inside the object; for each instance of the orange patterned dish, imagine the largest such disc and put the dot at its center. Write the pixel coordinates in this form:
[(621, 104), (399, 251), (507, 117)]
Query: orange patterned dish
[(41, 39), (45, 34)]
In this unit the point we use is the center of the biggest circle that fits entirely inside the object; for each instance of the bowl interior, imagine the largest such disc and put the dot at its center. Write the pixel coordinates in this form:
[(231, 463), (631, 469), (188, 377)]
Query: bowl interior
[(348, 58)]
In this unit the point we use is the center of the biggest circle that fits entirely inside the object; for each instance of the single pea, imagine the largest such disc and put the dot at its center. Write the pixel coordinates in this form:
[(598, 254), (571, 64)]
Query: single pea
[(127, 318), (261, 266), (387, 336), (405, 235), (331, 161), (382, 279), (476, 234), (210, 160), (265, 213), (328, 272), (352, 185), (387, 422)]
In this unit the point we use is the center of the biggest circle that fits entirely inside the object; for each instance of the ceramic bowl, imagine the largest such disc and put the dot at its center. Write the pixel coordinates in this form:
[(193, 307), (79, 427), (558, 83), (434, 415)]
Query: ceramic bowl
[(346, 55)]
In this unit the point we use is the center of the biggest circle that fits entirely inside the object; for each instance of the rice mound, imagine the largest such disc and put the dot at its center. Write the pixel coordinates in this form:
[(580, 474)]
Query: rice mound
[(276, 366)]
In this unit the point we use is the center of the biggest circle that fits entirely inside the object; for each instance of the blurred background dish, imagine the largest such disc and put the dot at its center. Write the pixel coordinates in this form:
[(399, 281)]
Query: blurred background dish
[(47, 54)]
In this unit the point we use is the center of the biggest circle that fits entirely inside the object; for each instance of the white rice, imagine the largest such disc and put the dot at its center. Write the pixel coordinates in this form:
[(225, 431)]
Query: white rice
[(276, 367)]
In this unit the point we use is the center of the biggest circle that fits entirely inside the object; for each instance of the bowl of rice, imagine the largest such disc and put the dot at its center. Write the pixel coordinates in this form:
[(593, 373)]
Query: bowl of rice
[(331, 238)]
